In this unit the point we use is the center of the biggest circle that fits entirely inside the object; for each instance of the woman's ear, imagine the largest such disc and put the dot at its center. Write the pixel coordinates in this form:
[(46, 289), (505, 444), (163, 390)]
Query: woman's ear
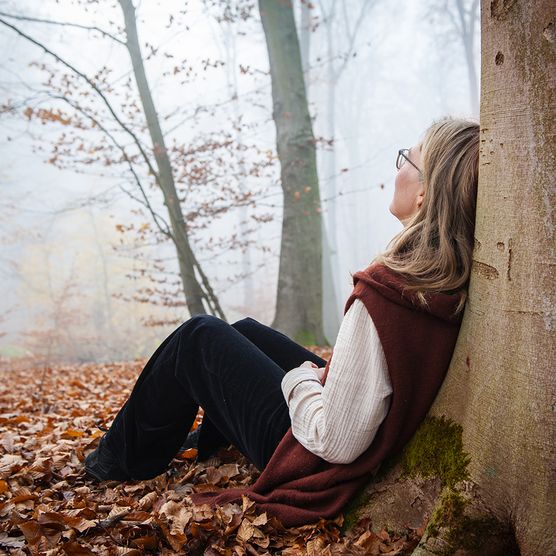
[(420, 198)]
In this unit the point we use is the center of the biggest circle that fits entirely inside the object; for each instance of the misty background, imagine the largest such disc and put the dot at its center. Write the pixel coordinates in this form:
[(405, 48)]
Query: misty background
[(84, 274)]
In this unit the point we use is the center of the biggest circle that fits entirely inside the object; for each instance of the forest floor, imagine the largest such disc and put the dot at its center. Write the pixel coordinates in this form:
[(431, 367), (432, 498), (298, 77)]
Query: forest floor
[(49, 421)]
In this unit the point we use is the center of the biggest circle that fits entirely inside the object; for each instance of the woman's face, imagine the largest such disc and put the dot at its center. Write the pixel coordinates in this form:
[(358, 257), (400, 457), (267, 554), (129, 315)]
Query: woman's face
[(408, 189)]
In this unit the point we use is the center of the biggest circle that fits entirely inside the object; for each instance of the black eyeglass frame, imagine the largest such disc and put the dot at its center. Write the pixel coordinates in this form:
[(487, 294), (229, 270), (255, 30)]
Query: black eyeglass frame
[(402, 156)]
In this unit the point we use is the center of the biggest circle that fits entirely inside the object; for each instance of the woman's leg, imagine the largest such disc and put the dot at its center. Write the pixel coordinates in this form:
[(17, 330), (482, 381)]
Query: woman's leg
[(282, 350), (286, 353), (140, 439), (209, 363)]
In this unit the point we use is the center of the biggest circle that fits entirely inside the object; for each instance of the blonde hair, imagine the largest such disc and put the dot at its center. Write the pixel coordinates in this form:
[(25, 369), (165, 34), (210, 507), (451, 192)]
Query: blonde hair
[(434, 251)]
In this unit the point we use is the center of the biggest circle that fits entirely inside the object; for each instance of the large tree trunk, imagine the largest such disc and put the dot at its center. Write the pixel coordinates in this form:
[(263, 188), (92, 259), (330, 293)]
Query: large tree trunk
[(299, 297), (330, 314), (499, 394), (194, 293)]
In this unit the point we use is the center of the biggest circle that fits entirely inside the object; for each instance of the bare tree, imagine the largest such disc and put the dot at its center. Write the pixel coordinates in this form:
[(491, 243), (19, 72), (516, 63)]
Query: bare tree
[(227, 19), (299, 298), (336, 16), (463, 18), (193, 287), (123, 146)]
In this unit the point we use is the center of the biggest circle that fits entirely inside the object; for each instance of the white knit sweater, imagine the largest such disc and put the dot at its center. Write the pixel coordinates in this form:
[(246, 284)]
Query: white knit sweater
[(339, 420)]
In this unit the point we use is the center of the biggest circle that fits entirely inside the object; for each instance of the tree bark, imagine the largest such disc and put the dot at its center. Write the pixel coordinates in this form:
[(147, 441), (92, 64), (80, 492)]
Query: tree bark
[(194, 293), (330, 314), (500, 389), (299, 296)]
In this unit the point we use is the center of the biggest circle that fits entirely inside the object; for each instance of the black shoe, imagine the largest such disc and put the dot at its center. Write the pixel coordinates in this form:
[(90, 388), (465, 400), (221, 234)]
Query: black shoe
[(101, 465), (192, 440)]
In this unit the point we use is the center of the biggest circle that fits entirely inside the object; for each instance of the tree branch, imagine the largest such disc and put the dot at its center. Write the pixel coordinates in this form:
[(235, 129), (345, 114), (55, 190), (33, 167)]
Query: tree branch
[(473, 13), (64, 24), (461, 30), (353, 34), (96, 89), (146, 203)]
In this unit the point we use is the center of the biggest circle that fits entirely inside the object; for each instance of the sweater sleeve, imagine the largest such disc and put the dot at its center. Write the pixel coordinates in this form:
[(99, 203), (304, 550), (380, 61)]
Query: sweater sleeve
[(338, 421)]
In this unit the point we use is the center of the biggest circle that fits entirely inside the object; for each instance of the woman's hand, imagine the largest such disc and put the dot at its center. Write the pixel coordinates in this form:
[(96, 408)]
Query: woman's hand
[(309, 364), (318, 371)]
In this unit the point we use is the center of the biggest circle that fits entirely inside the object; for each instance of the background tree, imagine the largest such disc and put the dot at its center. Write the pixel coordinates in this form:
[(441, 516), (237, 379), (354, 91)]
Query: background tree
[(229, 16), (462, 17), (299, 297), (339, 25), (195, 289), (331, 318), (123, 146), (483, 461)]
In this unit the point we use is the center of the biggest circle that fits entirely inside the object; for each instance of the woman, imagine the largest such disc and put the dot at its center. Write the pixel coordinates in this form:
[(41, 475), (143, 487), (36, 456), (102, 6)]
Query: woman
[(319, 430)]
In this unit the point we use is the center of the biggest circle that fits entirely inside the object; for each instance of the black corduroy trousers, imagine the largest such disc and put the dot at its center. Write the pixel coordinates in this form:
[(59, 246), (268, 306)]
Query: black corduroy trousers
[(233, 372)]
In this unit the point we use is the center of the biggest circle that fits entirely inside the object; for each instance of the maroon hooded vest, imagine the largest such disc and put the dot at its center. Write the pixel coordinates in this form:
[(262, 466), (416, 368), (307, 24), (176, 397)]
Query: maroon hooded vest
[(299, 487)]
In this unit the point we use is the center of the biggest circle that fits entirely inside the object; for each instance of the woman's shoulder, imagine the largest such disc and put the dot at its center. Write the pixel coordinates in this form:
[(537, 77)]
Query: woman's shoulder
[(377, 273), (398, 288)]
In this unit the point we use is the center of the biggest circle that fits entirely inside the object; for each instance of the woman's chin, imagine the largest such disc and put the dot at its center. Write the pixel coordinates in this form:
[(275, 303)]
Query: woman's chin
[(393, 213)]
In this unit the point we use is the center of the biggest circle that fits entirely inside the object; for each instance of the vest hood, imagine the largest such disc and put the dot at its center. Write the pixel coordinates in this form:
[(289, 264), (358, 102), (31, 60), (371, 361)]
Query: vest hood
[(392, 286)]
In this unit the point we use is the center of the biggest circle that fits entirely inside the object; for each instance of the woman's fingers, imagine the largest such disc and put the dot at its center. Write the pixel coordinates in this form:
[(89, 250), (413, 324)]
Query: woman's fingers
[(309, 364), (320, 373)]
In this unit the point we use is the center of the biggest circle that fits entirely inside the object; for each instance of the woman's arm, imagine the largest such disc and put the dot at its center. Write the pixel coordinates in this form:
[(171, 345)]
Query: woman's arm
[(339, 420)]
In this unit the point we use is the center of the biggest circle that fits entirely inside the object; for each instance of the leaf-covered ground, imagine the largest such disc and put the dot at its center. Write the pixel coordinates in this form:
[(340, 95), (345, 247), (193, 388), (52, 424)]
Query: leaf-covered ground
[(48, 424)]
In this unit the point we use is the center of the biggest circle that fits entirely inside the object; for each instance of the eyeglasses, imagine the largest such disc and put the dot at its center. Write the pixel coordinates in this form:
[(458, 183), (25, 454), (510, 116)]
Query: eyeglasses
[(402, 157)]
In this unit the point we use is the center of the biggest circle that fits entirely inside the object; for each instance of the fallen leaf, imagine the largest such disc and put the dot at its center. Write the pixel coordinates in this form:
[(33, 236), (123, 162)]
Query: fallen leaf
[(188, 454)]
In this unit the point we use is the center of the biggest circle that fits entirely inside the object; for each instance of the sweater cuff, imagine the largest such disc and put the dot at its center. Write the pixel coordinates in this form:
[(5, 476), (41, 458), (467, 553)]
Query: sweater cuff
[(294, 377)]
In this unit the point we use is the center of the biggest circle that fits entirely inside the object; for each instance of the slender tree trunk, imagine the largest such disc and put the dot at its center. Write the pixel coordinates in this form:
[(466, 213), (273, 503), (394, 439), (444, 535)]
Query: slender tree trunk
[(330, 186), (299, 297), (500, 390), (331, 180), (247, 266), (230, 53), (330, 315), (468, 40), (330, 156), (471, 73), (194, 294)]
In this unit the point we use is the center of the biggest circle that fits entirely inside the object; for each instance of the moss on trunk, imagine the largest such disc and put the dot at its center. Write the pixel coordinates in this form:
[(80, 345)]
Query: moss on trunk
[(457, 526), (432, 472), (436, 450)]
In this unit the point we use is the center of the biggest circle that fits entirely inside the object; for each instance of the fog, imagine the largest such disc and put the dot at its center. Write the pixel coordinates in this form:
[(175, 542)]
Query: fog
[(71, 267)]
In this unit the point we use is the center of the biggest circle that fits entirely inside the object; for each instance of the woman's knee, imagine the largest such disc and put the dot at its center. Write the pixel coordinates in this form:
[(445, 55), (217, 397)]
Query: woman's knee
[(215, 325), (245, 324), (204, 320), (200, 323)]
